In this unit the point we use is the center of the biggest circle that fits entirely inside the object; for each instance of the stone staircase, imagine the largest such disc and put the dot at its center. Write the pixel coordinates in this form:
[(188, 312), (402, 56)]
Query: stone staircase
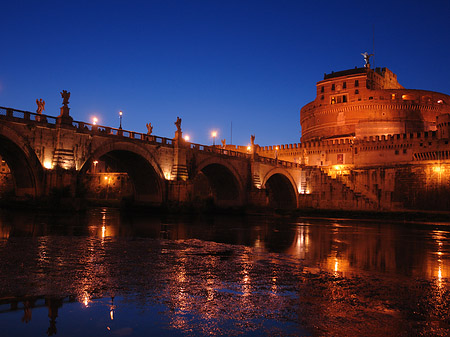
[(363, 201), (361, 191)]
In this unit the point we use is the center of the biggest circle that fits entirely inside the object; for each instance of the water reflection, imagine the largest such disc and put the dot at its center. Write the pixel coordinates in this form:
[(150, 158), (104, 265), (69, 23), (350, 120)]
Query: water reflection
[(224, 273)]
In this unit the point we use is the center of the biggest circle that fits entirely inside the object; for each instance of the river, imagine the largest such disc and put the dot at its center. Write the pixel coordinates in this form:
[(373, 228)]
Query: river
[(103, 273)]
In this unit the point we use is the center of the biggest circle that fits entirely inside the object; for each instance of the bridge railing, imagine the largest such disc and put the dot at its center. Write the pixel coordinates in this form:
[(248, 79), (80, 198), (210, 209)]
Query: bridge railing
[(27, 116), (106, 130), (277, 162), (218, 150)]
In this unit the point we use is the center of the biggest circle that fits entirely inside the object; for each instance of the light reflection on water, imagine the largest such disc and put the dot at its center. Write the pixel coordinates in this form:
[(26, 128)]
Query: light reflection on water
[(221, 275)]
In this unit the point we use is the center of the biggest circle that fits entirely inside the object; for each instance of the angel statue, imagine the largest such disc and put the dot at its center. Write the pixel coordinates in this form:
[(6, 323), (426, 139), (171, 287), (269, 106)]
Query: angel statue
[(149, 128), (65, 96), (366, 56), (41, 105), (224, 143), (178, 124), (252, 138)]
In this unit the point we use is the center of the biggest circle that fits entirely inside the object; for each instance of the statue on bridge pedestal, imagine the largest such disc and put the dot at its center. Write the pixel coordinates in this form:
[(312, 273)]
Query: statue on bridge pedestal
[(65, 96), (41, 105), (224, 143), (178, 133), (149, 128), (178, 124), (252, 139), (64, 117)]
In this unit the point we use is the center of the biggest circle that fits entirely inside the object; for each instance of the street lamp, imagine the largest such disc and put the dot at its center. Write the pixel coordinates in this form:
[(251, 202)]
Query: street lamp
[(214, 135), (94, 120), (120, 117), (186, 138)]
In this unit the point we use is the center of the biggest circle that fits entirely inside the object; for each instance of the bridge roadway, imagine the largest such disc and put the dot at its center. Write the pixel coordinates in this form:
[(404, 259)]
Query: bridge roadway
[(46, 153)]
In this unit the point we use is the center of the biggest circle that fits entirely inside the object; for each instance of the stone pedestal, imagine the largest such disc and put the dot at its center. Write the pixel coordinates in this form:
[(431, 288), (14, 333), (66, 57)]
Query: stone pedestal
[(64, 117), (179, 168)]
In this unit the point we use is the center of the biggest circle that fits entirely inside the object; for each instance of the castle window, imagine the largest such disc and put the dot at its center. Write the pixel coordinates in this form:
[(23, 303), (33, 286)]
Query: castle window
[(393, 96), (344, 99), (356, 83), (370, 97), (356, 92), (332, 86), (396, 152), (404, 151), (322, 97), (333, 100), (344, 85), (322, 89)]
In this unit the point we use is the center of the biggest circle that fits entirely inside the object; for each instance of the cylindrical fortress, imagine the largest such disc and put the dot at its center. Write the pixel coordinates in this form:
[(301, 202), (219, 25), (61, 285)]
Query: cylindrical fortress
[(363, 102)]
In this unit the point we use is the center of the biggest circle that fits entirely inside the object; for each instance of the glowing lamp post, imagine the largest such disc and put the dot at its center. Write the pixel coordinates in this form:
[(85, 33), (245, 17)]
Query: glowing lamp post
[(94, 120), (214, 135), (120, 118), (186, 138)]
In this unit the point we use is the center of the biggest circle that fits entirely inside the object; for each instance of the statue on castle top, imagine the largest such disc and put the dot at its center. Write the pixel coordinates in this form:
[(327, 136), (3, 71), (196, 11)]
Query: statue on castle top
[(252, 139), (149, 128), (65, 96), (366, 56), (178, 124), (41, 105), (224, 143)]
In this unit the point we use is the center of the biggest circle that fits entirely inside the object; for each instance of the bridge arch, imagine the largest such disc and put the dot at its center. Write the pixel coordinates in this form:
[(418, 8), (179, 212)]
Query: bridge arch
[(141, 167), (26, 169), (223, 182), (281, 189)]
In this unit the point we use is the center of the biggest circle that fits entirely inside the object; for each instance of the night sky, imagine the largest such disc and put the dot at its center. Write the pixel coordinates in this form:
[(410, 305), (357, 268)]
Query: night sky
[(250, 63)]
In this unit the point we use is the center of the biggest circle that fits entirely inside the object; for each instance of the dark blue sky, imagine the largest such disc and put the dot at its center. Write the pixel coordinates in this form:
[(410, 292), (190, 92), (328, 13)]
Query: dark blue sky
[(252, 63)]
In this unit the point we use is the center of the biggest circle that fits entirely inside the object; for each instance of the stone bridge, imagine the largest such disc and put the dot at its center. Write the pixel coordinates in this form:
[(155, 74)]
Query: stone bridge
[(45, 154)]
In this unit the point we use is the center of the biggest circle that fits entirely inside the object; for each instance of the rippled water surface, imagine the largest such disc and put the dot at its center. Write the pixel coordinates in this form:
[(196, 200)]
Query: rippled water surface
[(107, 274)]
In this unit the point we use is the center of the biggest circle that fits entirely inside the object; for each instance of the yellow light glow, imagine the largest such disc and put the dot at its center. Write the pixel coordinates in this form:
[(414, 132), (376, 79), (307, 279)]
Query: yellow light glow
[(48, 164), (186, 138), (437, 169), (86, 300), (167, 175), (214, 134), (94, 120), (120, 113), (106, 178), (248, 148), (111, 314)]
